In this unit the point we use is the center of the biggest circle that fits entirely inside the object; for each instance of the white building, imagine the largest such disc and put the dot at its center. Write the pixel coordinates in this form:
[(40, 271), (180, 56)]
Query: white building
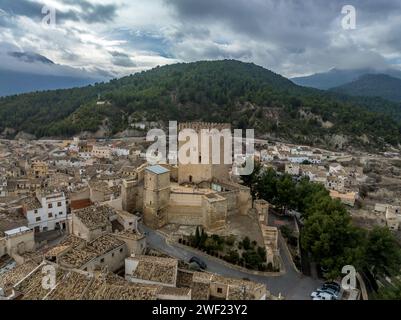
[(393, 217), (298, 159), (46, 212), (120, 152)]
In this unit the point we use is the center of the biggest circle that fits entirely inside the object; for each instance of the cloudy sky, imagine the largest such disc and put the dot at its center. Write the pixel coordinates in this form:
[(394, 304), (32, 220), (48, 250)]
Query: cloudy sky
[(115, 38)]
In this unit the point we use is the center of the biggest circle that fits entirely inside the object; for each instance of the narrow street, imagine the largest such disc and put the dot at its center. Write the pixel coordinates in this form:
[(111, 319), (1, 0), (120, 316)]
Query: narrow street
[(291, 285)]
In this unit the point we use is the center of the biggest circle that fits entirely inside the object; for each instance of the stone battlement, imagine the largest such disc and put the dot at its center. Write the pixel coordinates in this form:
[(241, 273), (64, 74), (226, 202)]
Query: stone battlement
[(197, 126)]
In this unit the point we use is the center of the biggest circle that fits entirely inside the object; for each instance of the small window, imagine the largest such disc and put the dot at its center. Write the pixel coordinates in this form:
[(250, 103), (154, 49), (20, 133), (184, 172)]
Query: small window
[(58, 204), (112, 254), (60, 213), (36, 211), (38, 219), (50, 215), (50, 205), (130, 223), (219, 290), (102, 260), (121, 249)]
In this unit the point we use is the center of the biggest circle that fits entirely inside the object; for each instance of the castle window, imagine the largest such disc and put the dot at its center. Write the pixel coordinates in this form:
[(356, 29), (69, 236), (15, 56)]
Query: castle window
[(219, 290)]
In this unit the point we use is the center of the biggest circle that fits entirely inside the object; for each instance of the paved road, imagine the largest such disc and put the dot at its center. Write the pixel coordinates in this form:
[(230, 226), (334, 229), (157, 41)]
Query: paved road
[(291, 285)]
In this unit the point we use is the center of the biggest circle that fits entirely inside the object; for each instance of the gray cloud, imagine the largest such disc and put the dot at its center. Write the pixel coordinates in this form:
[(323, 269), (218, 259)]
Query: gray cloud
[(291, 37), (88, 12), (122, 59)]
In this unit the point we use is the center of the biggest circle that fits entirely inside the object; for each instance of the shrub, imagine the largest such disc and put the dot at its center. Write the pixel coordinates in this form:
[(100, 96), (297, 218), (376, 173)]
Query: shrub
[(246, 243)]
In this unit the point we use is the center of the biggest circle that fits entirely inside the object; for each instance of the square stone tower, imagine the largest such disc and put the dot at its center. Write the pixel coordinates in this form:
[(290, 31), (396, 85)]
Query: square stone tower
[(197, 173), (156, 196)]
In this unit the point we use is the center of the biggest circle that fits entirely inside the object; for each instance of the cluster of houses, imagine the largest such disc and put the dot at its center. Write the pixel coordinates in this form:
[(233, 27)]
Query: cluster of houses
[(75, 189), (320, 166)]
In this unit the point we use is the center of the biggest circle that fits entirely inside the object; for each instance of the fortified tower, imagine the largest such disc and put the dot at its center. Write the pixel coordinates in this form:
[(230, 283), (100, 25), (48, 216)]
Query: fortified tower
[(156, 196), (206, 172)]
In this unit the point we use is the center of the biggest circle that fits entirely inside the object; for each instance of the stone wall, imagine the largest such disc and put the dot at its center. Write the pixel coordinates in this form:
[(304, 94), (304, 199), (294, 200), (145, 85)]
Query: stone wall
[(185, 208), (214, 211)]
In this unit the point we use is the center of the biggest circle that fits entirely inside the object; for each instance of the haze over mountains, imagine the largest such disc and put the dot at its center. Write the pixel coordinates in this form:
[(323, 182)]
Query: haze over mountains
[(373, 85), (385, 83), (22, 72)]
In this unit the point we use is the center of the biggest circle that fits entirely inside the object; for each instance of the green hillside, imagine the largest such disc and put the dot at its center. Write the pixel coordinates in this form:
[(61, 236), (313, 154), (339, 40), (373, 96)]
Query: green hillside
[(373, 85), (244, 94)]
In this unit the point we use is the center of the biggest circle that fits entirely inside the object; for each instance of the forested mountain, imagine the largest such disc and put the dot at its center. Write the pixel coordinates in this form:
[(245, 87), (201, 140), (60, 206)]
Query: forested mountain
[(373, 85), (338, 77), (244, 94)]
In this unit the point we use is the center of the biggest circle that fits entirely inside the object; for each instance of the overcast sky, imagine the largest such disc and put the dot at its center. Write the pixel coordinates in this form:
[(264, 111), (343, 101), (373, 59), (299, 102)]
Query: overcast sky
[(120, 37)]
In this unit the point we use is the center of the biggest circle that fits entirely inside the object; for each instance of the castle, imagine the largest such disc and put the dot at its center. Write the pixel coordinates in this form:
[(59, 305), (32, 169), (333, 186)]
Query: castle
[(187, 194)]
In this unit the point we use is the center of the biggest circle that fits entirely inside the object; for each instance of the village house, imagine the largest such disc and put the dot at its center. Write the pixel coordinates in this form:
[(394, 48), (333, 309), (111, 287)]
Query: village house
[(393, 217), (103, 152), (151, 270), (105, 251), (347, 198), (46, 211), (92, 222)]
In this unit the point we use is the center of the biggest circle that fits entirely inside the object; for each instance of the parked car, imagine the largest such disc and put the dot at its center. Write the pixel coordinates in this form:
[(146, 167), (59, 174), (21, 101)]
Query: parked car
[(199, 262), (322, 296), (329, 291), (332, 285)]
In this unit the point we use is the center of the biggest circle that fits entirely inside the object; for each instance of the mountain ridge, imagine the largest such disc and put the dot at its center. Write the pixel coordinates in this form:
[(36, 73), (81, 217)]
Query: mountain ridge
[(337, 77), (373, 85), (244, 94)]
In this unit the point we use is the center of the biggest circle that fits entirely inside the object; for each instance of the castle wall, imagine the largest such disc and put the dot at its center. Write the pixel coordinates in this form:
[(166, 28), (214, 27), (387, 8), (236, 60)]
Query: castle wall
[(244, 200), (185, 208), (231, 197), (214, 211)]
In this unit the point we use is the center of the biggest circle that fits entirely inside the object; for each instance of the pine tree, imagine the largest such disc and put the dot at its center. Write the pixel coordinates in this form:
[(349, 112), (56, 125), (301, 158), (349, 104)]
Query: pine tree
[(197, 237)]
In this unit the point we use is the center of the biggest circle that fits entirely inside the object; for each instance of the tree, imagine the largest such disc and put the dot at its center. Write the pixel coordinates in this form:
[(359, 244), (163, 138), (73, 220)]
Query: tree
[(197, 237), (262, 253), (331, 239), (232, 257), (390, 292), (203, 238), (266, 185), (246, 243), (252, 179), (382, 254), (285, 192)]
